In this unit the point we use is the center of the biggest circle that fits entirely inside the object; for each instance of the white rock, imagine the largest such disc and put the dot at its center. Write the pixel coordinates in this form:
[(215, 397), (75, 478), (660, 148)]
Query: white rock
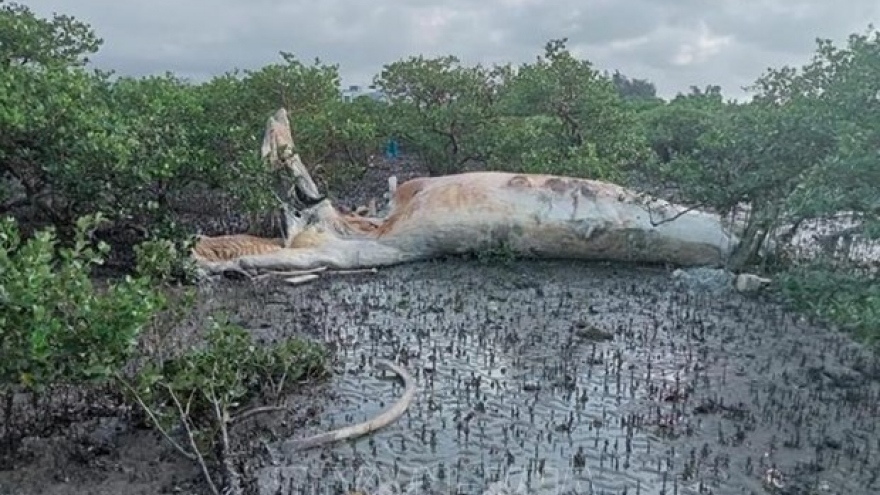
[(748, 282)]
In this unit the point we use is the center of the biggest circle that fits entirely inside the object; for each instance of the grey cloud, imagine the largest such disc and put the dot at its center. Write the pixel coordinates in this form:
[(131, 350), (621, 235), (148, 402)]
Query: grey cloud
[(674, 43)]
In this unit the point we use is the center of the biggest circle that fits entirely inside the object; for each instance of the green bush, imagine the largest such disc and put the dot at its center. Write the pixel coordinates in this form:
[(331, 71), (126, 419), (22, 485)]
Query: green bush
[(532, 145), (674, 128), (205, 389), (57, 327), (588, 129), (165, 260), (440, 108), (847, 298)]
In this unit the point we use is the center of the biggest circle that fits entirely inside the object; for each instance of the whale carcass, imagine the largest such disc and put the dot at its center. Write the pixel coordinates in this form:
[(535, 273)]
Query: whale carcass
[(542, 216)]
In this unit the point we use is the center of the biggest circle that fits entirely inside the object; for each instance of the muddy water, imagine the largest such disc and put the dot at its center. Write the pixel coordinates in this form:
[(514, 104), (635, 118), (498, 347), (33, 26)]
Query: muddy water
[(546, 377)]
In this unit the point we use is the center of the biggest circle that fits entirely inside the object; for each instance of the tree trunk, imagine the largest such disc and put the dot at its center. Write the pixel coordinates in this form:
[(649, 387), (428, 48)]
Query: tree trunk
[(759, 225)]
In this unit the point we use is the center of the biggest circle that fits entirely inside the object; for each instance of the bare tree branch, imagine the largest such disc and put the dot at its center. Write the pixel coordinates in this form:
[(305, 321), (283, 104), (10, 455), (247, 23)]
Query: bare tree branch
[(155, 420), (184, 416), (672, 218)]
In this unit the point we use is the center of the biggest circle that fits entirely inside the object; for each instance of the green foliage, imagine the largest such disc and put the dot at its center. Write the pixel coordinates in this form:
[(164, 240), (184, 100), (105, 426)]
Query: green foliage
[(587, 130), (57, 327), (674, 128), (635, 90), (440, 108), (26, 39), (205, 388), (240, 101), (841, 88), (557, 115), (59, 138), (583, 102), (755, 154), (500, 253), (75, 143), (165, 120), (752, 153), (803, 149), (165, 260), (841, 85), (850, 299)]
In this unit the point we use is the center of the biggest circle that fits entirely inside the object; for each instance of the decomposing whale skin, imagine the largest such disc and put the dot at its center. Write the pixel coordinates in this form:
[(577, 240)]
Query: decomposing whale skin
[(540, 216)]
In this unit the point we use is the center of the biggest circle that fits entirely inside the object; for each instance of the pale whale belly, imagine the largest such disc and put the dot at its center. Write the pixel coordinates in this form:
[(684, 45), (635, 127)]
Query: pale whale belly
[(570, 218)]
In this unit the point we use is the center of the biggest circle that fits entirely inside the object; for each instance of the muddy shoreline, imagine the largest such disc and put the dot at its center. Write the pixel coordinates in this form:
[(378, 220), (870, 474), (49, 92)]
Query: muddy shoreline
[(572, 377), (555, 377)]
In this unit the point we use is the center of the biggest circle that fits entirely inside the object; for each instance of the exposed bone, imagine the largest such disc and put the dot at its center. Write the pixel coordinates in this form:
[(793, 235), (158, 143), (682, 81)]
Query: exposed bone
[(389, 196), (533, 215), (384, 419), (302, 279), (353, 272), (392, 185), (296, 273)]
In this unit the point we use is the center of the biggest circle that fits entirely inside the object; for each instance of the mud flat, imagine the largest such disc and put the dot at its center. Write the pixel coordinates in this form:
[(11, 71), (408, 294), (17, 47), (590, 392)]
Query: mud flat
[(533, 377), (555, 377)]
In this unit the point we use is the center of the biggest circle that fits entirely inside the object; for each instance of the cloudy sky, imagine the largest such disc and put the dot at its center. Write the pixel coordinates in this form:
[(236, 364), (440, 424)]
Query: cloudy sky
[(674, 43)]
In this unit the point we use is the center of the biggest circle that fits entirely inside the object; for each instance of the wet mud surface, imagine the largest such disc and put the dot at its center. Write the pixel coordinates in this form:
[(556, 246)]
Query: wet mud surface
[(559, 377), (106, 457)]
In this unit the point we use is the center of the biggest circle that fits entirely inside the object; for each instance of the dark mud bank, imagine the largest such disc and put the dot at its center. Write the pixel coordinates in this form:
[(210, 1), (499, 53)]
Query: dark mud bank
[(556, 377)]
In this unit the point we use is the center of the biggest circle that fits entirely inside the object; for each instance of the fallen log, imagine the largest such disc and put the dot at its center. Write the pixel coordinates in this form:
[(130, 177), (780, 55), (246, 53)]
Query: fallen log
[(531, 215)]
